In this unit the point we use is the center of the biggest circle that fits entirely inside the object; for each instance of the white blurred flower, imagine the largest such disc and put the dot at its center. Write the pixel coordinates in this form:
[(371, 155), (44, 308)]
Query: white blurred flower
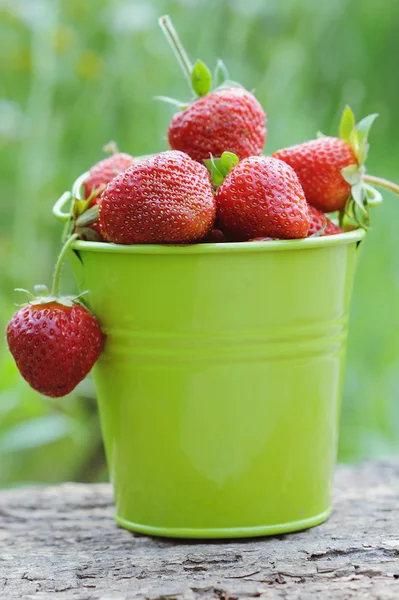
[(14, 124), (131, 17)]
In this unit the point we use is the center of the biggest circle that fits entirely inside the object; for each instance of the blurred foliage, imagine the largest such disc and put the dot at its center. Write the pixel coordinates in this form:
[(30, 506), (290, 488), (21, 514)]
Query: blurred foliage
[(76, 74)]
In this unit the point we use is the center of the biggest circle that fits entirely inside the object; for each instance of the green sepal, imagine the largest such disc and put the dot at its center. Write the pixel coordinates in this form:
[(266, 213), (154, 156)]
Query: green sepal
[(229, 83), (111, 148), (180, 105), (320, 134), (321, 230), (220, 167), (359, 137), (221, 74), (347, 124), (201, 79), (352, 174), (88, 217), (356, 134)]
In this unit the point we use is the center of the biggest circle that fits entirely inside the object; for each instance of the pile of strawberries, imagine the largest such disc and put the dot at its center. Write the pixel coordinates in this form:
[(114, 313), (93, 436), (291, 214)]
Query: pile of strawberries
[(216, 178), (214, 185)]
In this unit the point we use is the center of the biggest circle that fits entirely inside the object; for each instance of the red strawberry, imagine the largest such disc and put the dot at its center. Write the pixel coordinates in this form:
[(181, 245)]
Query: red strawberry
[(331, 170), (228, 119), (225, 118), (164, 199), (317, 221), (103, 172), (216, 236), (54, 345), (262, 197), (318, 164)]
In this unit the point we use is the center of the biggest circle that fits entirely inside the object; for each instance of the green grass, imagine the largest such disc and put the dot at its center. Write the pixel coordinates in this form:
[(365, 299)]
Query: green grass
[(77, 74)]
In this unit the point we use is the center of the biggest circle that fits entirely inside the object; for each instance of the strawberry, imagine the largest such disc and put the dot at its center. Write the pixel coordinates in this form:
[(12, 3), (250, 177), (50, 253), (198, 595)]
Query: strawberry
[(103, 172), (331, 170), (321, 224), (164, 199), (228, 119), (54, 340), (54, 346), (262, 197), (318, 164), (223, 117)]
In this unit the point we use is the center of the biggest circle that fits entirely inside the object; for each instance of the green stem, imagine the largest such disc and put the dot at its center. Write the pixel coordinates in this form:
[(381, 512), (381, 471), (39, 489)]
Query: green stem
[(56, 280), (177, 47), (380, 182)]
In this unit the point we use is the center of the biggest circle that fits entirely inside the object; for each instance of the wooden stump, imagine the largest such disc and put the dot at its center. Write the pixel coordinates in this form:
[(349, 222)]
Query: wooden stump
[(61, 542)]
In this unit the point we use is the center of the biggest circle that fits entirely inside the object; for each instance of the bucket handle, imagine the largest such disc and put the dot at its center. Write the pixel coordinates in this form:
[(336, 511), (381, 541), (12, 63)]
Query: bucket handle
[(66, 197), (59, 205)]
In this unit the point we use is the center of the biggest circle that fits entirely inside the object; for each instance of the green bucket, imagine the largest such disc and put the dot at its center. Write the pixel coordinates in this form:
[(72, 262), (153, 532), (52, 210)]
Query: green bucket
[(220, 383)]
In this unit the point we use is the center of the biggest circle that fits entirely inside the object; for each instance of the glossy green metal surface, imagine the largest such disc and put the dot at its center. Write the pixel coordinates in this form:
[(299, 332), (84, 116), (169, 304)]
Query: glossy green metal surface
[(219, 387)]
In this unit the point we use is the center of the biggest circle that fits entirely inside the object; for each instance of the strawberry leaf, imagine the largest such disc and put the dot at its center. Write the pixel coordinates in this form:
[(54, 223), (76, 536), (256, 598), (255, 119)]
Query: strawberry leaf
[(201, 79), (228, 160), (347, 124), (181, 105), (352, 174), (363, 129), (215, 169), (88, 217), (221, 74), (220, 167)]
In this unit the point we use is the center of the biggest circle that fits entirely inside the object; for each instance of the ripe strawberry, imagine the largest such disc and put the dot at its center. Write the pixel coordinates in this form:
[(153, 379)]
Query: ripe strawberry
[(54, 345), (103, 172), (318, 220), (164, 199), (228, 119), (225, 118), (331, 170), (262, 197), (318, 164)]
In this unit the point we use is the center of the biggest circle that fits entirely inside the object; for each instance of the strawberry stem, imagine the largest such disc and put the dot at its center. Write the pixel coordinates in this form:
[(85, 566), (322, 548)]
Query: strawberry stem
[(174, 41), (383, 183), (57, 272)]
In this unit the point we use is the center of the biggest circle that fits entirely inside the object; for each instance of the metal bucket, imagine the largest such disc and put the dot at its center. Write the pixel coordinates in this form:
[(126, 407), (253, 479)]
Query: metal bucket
[(219, 387)]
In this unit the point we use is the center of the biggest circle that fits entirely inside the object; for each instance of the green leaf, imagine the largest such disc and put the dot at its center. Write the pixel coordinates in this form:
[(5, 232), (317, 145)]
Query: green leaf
[(347, 124), (228, 160), (201, 79), (352, 174), (229, 83), (88, 217), (359, 196), (363, 129), (213, 164), (181, 105), (221, 74), (321, 230), (220, 167), (373, 196)]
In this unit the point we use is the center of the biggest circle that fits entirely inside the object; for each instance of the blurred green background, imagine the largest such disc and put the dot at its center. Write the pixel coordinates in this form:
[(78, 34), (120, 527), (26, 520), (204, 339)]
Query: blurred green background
[(75, 74)]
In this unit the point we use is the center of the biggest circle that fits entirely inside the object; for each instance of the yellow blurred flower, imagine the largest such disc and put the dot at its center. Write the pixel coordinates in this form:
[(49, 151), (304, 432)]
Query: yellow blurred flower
[(63, 38), (89, 65)]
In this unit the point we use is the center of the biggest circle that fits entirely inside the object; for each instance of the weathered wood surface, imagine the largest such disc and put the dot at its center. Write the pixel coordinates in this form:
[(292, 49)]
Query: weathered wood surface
[(61, 542)]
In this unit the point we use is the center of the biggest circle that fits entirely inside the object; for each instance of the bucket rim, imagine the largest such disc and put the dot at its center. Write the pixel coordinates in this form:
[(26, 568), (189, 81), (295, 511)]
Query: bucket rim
[(340, 239)]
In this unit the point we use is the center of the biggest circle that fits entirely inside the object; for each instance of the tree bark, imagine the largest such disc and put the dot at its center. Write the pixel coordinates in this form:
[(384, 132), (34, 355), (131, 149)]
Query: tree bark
[(62, 542)]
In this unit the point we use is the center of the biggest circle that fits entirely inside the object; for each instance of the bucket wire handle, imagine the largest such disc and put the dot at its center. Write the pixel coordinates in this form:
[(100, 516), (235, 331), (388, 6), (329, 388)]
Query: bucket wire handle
[(66, 197), (59, 205)]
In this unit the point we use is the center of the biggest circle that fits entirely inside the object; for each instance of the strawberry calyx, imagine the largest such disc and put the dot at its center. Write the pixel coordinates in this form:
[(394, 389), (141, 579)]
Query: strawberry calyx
[(362, 195), (198, 76), (41, 293), (220, 167)]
